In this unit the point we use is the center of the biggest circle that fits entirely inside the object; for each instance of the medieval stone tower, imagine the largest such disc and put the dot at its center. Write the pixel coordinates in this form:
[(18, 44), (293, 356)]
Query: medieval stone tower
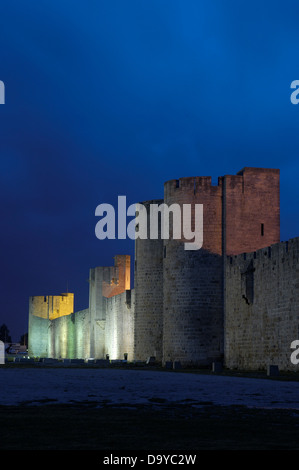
[(180, 307), (180, 293)]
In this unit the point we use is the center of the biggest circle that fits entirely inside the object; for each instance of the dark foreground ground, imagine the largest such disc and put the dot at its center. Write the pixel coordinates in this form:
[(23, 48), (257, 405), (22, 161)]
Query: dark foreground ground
[(67, 427), (157, 425)]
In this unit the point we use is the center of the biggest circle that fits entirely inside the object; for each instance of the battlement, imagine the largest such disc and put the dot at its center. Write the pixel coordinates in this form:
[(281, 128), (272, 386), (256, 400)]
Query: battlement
[(257, 170), (116, 279), (51, 306), (191, 184), (197, 183), (277, 251)]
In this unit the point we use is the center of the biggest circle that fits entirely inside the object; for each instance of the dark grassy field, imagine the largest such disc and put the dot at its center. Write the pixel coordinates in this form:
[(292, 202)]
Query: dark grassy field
[(85, 427)]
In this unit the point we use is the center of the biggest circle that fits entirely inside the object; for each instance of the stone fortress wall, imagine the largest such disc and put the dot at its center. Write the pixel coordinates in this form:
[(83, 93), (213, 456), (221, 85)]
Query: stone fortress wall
[(234, 300), (262, 307)]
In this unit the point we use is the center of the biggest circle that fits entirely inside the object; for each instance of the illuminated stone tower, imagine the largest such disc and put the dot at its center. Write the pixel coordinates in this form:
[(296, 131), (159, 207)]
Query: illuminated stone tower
[(105, 282), (42, 310)]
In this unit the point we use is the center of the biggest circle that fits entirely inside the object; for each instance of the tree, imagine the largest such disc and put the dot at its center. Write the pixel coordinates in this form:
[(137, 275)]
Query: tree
[(4, 334)]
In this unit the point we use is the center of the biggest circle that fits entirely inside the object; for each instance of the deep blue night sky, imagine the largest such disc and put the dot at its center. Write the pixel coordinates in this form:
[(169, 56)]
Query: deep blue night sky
[(115, 97)]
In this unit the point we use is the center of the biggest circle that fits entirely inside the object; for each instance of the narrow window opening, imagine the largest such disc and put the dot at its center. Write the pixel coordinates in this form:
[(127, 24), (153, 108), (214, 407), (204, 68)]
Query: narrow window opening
[(247, 280), (262, 230), (269, 252)]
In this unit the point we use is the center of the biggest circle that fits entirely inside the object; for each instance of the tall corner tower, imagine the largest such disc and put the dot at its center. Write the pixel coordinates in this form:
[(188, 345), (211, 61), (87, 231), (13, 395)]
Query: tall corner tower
[(251, 208), (193, 280), (148, 286), (240, 214)]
